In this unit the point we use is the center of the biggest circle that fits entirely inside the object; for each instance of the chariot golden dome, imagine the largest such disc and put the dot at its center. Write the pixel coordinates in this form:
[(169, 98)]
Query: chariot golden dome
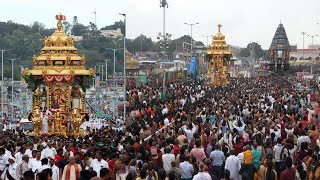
[(218, 45), (59, 53), (131, 64), (219, 35)]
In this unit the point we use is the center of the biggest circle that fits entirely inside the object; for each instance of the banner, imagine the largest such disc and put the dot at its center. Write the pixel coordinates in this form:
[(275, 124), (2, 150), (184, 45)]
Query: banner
[(192, 68)]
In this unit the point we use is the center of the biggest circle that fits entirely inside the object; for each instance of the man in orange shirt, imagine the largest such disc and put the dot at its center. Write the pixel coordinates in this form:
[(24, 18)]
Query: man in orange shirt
[(247, 167)]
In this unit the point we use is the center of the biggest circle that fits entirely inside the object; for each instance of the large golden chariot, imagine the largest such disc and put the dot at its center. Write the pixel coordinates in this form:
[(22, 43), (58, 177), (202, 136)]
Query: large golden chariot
[(219, 56), (58, 81)]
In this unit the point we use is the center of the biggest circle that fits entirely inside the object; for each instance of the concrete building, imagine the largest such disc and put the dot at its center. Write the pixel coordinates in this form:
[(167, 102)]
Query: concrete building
[(111, 33)]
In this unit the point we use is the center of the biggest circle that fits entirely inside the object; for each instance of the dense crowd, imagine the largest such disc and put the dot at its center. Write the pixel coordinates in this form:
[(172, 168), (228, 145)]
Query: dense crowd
[(254, 128)]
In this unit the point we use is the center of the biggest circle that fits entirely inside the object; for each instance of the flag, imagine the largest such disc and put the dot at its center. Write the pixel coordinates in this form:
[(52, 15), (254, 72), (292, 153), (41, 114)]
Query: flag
[(192, 68)]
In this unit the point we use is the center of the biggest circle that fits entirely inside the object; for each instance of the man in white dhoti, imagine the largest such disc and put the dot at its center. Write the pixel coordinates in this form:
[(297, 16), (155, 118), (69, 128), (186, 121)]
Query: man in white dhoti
[(44, 129), (233, 165), (45, 118)]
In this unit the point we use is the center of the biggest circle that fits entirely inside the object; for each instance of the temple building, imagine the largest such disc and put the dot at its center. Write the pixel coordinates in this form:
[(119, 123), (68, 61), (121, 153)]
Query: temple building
[(279, 50)]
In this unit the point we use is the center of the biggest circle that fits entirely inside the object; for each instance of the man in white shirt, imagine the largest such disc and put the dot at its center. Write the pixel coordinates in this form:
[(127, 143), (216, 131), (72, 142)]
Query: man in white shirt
[(201, 174), (189, 131), (276, 130), (44, 165), (2, 158), (277, 149), (303, 138), (166, 121), (98, 163), (35, 163), (233, 165), (49, 151), (186, 168), (167, 159), (55, 170), (29, 150), (67, 148), (19, 155), (11, 169), (165, 110)]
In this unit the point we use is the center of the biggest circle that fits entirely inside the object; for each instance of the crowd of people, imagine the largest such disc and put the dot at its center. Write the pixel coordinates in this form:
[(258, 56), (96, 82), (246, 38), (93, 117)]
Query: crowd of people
[(252, 129)]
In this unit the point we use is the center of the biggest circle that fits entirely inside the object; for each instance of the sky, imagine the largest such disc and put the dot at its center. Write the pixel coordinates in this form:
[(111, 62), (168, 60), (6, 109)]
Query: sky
[(243, 21)]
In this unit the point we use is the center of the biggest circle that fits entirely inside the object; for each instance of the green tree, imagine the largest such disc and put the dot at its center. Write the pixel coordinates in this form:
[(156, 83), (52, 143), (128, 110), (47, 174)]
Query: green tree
[(254, 48), (79, 30)]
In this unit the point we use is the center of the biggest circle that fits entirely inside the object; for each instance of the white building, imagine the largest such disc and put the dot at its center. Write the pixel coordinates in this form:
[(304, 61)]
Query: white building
[(111, 33)]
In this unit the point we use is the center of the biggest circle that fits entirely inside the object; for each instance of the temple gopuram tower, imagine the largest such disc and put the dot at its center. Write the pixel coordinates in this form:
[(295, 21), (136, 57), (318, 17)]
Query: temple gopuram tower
[(218, 55), (279, 50), (58, 81)]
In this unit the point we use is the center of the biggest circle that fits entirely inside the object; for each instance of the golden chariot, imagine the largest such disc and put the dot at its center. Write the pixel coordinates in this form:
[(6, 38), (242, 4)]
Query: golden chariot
[(218, 55), (58, 81)]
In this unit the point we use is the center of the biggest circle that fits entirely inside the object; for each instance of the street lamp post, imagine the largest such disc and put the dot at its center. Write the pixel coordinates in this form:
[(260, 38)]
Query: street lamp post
[(303, 34), (114, 80), (2, 83), (191, 25), (102, 71), (207, 36), (164, 4), (106, 70), (124, 70), (312, 36), (12, 60)]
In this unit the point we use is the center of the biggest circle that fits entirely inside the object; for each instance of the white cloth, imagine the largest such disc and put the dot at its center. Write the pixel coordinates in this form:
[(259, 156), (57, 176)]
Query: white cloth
[(166, 121), (241, 157), (73, 175), (55, 172), (2, 162), (34, 164), (277, 152), (43, 168), (18, 157), (29, 153), (167, 159), (189, 133), (276, 133), (310, 113), (44, 129), (98, 165), (49, 152), (202, 176), (12, 171), (233, 165), (165, 111), (302, 139)]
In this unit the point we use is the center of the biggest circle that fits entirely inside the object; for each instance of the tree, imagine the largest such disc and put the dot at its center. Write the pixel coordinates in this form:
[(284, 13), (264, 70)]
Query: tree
[(253, 49), (79, 29), (37, 27), (141, 43)]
